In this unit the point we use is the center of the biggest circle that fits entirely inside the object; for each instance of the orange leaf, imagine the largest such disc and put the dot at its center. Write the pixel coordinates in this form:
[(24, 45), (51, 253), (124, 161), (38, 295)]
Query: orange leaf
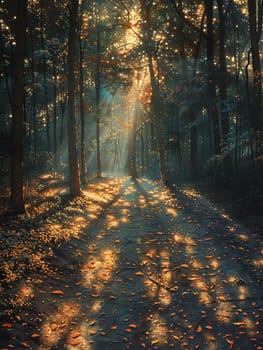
[(199, 329), (114, 327), (230, 342), (75, 335), (54, 326), (6, 325), (208, 327), (35, 335), (25, 345), (184, 265), (133, 325), (95, 295), (58, 292), (139, 273)]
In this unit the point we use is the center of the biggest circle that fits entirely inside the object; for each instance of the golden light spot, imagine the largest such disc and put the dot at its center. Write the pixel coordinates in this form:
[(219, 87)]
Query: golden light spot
[(224, 312), (242, 292), (164, 296), (258, 263), (250, 326), (158, 330), (204, 298), (25, 292), (98, 270), (196, 264), (243, 237), (96, 306), (171, 211), (190, 192), (56, 326), (214, 264)]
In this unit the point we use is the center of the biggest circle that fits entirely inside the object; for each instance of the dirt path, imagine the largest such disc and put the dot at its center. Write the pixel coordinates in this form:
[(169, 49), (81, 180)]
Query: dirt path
[(152, 271)]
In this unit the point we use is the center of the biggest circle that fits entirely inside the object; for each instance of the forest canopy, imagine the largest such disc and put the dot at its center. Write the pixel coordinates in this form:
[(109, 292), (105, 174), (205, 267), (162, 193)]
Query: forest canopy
[(167, 89)]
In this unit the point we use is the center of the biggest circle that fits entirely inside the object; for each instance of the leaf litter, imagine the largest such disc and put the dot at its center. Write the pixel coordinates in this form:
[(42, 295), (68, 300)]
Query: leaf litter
[(96, 281)]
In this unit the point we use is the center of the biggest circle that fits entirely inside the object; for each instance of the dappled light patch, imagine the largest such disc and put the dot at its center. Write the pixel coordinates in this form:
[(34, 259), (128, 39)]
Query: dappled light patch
[(172, 211), (148, 274), (192, 193), (111, 222), (98, 270), (158, 331), (224, 311), (58, 324)]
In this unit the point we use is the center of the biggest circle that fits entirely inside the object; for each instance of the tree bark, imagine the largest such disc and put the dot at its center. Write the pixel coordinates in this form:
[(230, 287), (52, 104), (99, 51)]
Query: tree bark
[(255, 25), (17, 134), (74, 184), (211, 76), (83, 176)]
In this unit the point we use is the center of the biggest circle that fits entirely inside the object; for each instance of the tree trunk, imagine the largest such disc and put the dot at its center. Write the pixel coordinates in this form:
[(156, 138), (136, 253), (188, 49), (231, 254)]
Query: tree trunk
[(83, 176), (156, 100), (17, 134), (211, 76), (98, 87), (255, 25), (74, 184)]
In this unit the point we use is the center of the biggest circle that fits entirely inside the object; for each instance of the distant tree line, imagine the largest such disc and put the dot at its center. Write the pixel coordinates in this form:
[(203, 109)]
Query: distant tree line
[(167, 89)]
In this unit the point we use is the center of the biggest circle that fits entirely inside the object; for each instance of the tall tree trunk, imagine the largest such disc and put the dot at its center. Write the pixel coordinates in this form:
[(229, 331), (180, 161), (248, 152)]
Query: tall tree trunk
[(44, 63), (98, 92), (55, 151), (222, 12), (17, 133), (74, 183), (223, 71), (83, 176), (255, 25), (211, 76), (156, 99)]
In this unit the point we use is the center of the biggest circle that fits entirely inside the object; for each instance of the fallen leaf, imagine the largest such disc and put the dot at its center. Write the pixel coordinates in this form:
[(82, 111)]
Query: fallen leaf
[(35, 335), (58, 292), (133, 325), (230, 342), (199, 329), (54, 326), (75, 335), (7, 325), (184, 265), (95, 295), (25, 345), (114, 327), (139, 273)]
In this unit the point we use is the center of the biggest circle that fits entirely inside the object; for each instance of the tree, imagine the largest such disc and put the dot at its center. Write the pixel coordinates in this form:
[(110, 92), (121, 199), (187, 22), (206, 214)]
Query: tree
[(74, 183), (17, 134), (255, 25)]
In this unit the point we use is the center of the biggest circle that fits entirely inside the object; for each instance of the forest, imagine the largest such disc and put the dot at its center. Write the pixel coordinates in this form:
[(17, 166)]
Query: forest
[(131, 164)]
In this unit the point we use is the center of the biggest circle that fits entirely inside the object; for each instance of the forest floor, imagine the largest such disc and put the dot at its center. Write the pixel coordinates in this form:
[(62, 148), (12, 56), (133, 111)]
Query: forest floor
[(129, 266)]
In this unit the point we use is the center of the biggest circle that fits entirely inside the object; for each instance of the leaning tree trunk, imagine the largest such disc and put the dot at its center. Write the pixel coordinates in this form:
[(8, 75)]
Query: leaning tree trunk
[(74, 183), (17, 133)]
